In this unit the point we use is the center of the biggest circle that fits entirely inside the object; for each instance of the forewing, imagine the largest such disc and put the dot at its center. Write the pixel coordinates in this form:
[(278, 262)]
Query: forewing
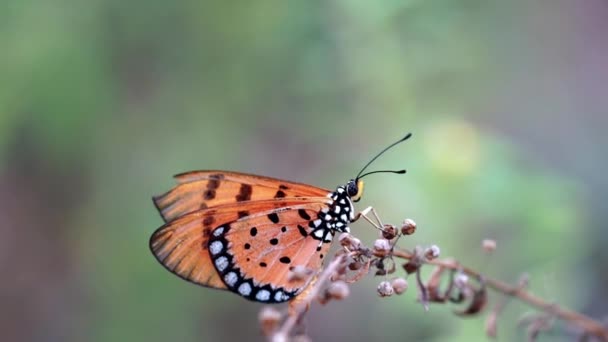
[(206, 189)]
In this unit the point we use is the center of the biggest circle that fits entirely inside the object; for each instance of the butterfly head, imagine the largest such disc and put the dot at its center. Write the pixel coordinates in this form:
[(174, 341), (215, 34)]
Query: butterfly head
[(354, 189)]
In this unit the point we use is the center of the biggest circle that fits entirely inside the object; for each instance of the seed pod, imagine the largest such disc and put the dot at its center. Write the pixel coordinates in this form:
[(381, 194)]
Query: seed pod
[(408, 227), (337, 290), (432, 252), (269, 319), (389, 232), (488, 245), (385, 289), (382, 246), (400, 285)]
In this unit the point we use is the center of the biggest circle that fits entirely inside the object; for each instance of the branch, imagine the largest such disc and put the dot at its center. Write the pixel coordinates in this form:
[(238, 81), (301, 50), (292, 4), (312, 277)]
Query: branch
[(584, 322), (358, 259)]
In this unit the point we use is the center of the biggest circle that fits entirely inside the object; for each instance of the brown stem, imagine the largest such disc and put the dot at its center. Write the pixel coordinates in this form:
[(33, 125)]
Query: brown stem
[(584, 322)]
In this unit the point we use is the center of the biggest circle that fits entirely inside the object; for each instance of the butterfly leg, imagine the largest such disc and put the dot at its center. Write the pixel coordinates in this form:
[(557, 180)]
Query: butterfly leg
[(364, 213)]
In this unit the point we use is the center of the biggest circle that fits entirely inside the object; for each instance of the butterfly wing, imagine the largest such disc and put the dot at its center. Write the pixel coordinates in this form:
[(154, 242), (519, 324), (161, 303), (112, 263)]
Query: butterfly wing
[(183, 244), (254, 255), (206, 189)]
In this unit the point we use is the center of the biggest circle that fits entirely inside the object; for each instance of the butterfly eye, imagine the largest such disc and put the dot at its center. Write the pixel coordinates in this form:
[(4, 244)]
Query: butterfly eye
[(351, 188)]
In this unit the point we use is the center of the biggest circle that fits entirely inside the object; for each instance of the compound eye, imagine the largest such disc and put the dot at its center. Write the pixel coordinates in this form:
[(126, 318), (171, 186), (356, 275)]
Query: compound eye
[(351, 189)]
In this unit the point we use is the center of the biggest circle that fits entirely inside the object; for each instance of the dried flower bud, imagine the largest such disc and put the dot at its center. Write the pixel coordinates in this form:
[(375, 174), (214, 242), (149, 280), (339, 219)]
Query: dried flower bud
[(269, 319), (432, 252), (461, 280), (389, 232), (385, 289), (399, 285), (488, 245), (382, 246), (355, 265), (349, 241), (411, 267), (408, 227), (299, 273), (337, 290)]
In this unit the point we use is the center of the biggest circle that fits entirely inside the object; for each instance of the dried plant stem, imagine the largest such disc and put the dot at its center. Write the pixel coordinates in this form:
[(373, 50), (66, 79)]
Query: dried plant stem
[(283, 333), (584, 322)]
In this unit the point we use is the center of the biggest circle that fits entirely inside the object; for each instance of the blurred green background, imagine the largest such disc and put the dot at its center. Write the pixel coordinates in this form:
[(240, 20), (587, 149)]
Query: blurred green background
[(102, 101)]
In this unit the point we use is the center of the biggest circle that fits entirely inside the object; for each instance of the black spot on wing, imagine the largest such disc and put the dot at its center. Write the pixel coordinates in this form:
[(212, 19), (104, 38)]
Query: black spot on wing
[(303, 214), (285, 260), (283, 187), (279, 194), (244, 193), (274, 241), (209, 194), (253, 231), (273, 217), (243, 213), (207, 221), (213, 184), (302, 231), (217, 176)]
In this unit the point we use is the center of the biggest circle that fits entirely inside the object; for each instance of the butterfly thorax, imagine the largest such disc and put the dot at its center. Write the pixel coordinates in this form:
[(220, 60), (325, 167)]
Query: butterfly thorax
[(333, 218)]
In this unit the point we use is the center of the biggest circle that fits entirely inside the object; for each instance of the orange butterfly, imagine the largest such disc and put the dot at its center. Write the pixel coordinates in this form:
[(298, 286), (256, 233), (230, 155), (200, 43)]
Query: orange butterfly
[(244, 233)]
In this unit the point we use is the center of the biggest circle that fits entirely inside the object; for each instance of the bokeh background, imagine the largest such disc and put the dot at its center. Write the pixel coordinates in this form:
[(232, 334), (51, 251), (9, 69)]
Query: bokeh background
[(102, 101)]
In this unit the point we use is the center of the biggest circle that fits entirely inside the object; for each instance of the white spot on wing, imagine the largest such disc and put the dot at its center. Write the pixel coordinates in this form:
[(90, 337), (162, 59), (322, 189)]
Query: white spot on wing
[(262, 295), (337, 209), (216, 247), (327, 217), (221, 263), (245, 289), (230, 279), (316, 222), (218, 231), (279, 296), (343, 217), (342, 201), (318, 233)]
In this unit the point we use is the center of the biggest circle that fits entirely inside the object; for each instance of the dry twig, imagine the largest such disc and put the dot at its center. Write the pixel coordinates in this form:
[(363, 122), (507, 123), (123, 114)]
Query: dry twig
[(355, 257)]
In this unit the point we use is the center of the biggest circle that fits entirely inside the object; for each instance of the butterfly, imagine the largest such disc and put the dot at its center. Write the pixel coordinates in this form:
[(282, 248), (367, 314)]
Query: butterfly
[(245, 233)]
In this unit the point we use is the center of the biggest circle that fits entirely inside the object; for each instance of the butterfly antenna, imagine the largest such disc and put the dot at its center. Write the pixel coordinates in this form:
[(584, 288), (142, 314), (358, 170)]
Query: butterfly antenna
[(407, 136)]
